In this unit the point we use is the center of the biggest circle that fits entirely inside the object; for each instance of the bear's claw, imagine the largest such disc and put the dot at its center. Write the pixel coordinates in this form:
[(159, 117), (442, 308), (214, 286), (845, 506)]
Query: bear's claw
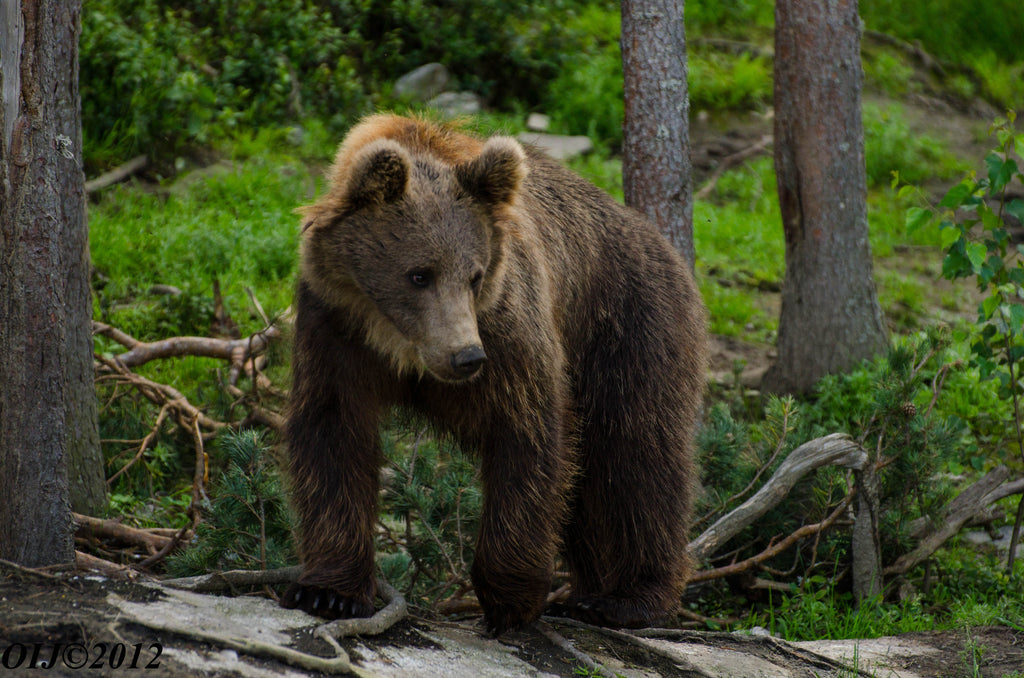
[(325, 602)]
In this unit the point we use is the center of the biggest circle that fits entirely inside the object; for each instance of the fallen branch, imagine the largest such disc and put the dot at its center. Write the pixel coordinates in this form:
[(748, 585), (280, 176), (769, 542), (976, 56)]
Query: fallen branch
[(773, 550), (84, 561), (971, 502), (731, 161), (89, 527), (236, 351), (118, 174), (838, 449), (144, 446), (158, 394), (226, 581)]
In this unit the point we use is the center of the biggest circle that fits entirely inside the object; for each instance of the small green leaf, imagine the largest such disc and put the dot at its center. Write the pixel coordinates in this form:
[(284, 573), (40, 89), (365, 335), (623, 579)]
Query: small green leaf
[(1018, 144), (976, 253), (1016, 208), (1016, 314), (950, 235), (956, 196), (916, 218), (989, 306)]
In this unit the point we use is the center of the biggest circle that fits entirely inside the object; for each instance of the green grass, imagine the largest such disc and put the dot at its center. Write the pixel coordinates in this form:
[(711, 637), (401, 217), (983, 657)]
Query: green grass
[(232, 221)]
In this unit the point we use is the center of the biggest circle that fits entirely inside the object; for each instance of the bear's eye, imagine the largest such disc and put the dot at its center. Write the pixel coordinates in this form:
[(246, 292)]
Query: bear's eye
[(476, 281), (420, 278)]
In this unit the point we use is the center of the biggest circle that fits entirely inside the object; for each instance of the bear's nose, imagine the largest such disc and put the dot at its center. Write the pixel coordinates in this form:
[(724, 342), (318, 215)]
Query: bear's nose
[(467, 362)]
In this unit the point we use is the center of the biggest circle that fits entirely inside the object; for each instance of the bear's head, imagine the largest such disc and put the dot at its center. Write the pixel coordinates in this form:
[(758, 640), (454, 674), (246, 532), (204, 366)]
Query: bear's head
[(413, 247)]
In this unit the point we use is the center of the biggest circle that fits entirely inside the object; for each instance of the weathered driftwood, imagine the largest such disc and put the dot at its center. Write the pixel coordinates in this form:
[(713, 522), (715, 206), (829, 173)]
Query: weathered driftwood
[(838, 448), (225, 581), (971, 502)]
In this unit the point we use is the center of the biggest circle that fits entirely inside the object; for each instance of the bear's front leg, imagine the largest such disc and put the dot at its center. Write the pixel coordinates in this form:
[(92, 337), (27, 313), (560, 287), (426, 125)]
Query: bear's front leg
[(526, 476), (333, 462)]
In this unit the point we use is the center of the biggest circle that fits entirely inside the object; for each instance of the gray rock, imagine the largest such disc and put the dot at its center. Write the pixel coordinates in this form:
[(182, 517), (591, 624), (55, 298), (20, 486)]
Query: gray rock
[(423, 83), (557, 146), (538, 122), (453, 104)]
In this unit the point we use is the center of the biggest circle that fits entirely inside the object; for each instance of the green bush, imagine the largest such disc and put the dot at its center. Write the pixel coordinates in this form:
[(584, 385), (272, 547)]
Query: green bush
[(247, 524), (157, 74)]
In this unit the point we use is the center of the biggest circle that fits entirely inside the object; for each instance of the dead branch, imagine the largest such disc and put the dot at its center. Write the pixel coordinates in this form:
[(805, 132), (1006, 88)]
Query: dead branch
[(226, 581), (89, 528), (839, 449), (775, 549), (145, 444), (119, 173), (971, 502), (84, 561), (236, 351), (730, 161), (158, 394)]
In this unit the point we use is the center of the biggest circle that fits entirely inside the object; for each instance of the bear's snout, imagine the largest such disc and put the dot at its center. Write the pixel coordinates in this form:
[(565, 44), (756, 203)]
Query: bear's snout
[(467, 362)]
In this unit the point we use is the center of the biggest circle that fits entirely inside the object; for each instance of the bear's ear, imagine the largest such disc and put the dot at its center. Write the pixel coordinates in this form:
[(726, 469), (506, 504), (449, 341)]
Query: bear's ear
[(494, 176), (379, 174)]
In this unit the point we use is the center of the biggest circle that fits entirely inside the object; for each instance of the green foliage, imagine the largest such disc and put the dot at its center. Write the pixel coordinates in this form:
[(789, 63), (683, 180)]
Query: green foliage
[(890, 146), (247, 525), (975, 234), (951, 29), (158, 74), (721, 82), (818, 610), (435, 498), (234, 223)]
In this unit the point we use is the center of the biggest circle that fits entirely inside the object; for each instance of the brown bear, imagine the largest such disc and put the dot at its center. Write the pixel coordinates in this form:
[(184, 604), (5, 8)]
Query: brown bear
[(546, 328)]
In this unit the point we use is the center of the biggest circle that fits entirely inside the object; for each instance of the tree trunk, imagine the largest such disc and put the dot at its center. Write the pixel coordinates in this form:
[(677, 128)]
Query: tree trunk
[(830, 316), (47, 401), (656, 170)]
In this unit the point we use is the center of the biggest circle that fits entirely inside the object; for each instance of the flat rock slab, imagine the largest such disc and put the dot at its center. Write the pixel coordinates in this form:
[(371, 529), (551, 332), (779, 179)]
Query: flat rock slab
[(184, 634)]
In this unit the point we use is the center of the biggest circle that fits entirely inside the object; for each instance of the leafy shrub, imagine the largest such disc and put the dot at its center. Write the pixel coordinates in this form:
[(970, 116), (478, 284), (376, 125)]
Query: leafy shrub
[(156, 74)]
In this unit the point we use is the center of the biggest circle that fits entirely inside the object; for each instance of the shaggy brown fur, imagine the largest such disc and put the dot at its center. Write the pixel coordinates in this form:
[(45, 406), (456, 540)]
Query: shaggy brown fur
[(548, 329)]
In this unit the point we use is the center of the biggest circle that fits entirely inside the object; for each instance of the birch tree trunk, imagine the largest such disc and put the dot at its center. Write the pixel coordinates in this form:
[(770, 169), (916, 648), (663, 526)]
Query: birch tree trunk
[(47, 397), (830, 317), (656, 170)]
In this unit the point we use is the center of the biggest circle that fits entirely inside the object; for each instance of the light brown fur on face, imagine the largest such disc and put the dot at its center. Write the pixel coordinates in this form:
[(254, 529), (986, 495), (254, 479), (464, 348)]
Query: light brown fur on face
[(546, 328)]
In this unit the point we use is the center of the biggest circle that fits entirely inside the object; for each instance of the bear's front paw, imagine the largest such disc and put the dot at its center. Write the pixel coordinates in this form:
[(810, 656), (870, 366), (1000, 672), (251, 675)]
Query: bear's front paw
[(326, 602)]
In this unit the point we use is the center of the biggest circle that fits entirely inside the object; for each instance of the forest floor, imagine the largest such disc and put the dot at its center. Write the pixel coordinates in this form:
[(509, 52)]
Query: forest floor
[(89, 625)]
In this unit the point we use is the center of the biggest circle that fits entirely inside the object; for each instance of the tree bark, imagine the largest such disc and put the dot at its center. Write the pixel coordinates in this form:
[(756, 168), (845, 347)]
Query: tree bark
[(656, 170), (830, 317), (47, 401)]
